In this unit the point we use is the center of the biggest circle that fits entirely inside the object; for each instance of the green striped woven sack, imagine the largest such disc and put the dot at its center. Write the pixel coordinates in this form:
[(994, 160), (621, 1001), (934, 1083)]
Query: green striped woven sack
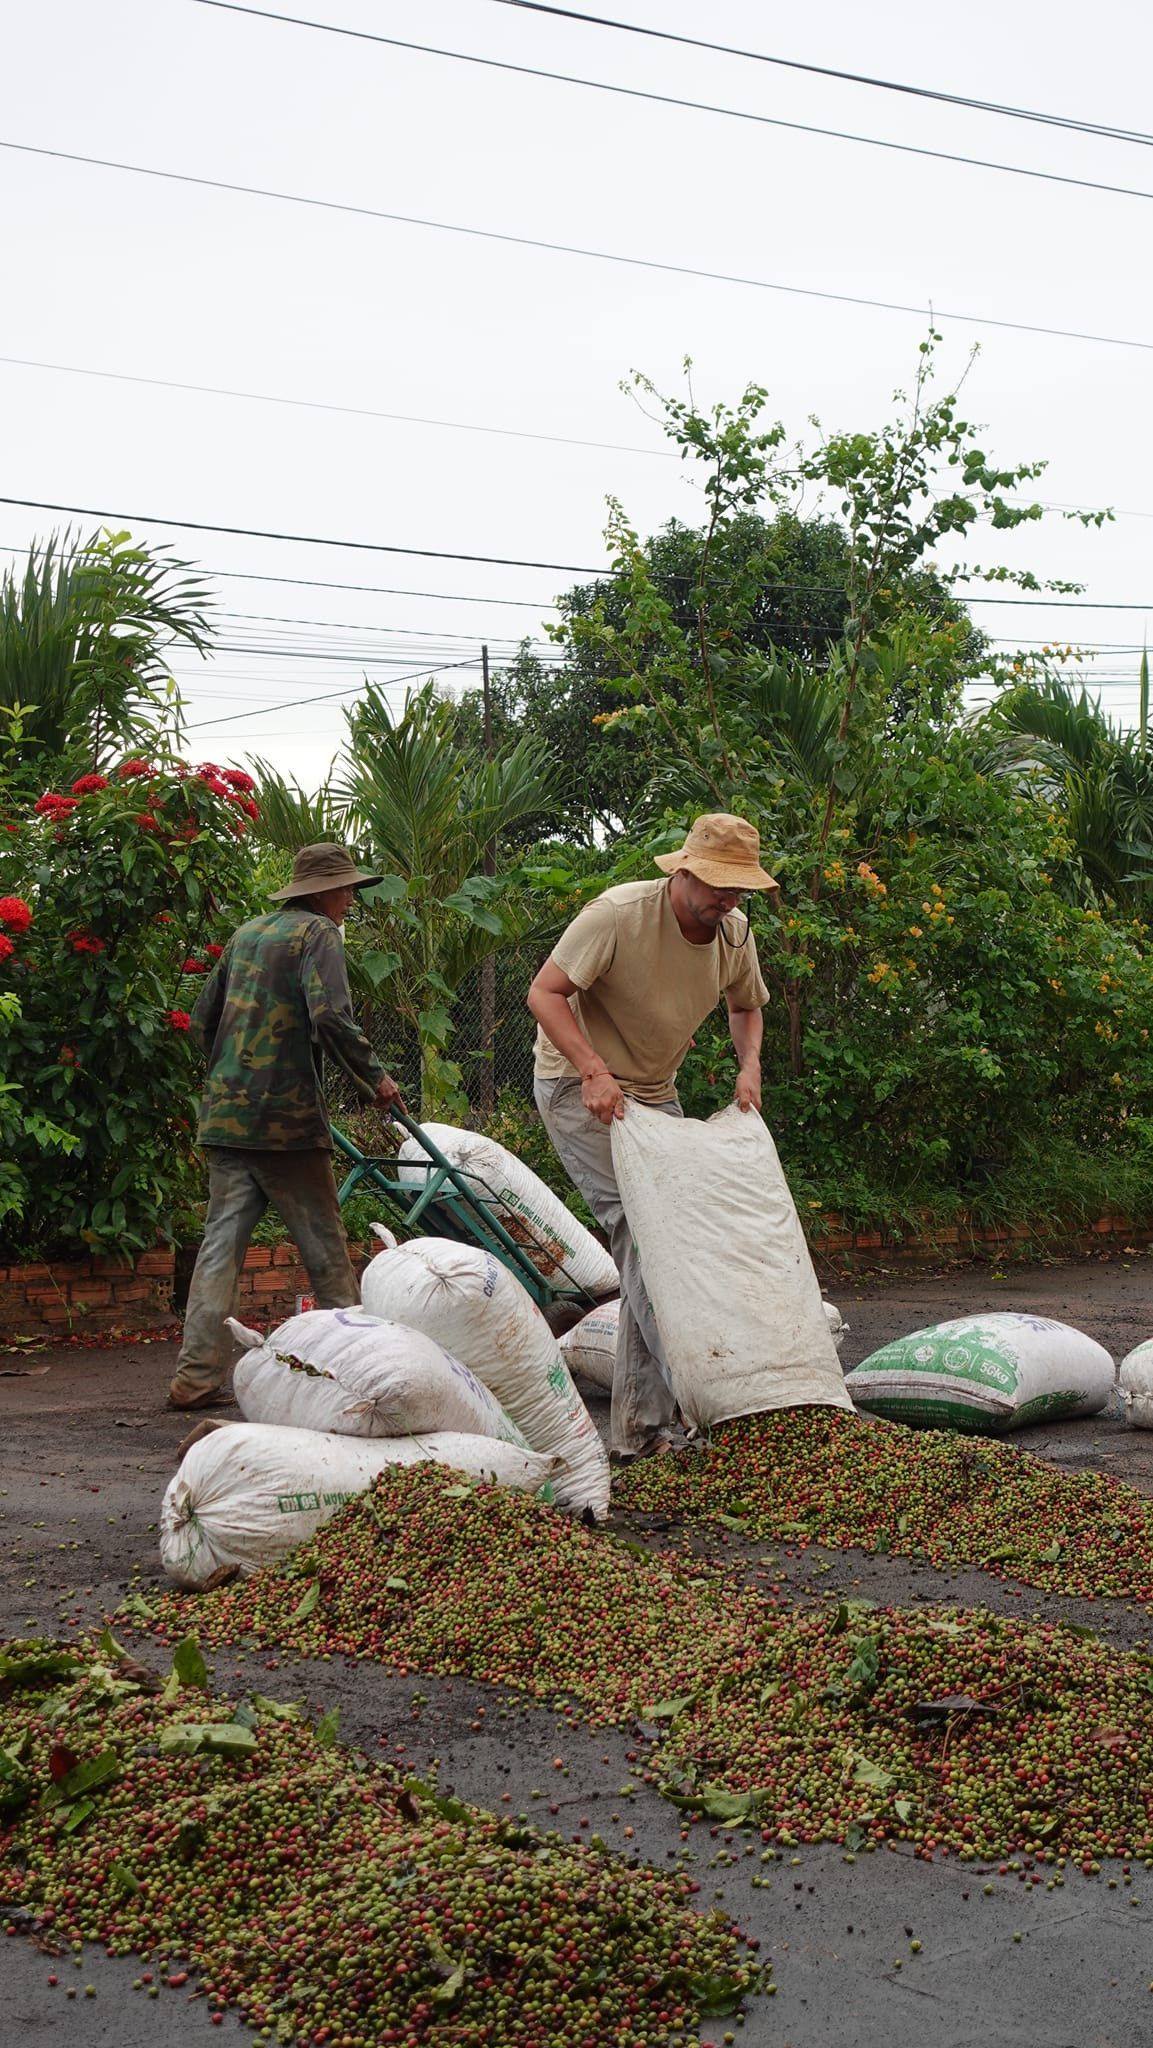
[(986, 1374)]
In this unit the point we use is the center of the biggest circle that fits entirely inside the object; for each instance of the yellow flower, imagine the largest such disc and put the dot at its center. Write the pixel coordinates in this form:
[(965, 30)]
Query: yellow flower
[(915, 931)]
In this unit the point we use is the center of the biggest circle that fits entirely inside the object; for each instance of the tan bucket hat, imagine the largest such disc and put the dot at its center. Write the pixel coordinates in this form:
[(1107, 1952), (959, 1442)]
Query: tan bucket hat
[(723, 851), (317, 868)]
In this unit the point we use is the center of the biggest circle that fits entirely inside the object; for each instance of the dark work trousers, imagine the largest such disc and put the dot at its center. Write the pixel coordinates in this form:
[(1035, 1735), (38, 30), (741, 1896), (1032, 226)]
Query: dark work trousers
[(301, 1187)]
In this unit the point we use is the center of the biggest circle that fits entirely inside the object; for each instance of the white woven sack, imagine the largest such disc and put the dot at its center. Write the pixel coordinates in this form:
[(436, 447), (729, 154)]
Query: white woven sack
[(1135, 1383), (726, 1265), (589, 1349), (468, 1301), (985, 1373), (340, 1369), (838, 1327), (518, 1196), (249, 1493)]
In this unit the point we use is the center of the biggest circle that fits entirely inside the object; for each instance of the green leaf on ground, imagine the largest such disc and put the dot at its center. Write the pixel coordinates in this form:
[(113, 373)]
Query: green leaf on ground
[(328, 1728), (189, 1665)]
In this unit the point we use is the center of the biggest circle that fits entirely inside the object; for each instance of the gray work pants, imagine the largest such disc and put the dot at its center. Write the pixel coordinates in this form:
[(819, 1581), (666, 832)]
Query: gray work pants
[(643, 1408), (301, 1187)]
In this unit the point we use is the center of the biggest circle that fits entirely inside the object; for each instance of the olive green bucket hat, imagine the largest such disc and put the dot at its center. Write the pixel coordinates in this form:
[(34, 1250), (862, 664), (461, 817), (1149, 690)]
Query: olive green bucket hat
[(317, 868)]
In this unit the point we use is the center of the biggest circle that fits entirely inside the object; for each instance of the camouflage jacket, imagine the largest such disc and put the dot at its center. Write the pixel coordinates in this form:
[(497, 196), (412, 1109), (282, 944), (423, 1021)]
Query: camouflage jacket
[(277, 999)]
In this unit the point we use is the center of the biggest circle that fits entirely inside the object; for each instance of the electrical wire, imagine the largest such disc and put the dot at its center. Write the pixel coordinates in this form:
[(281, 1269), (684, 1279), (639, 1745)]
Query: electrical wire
[(1103, 130), (358, 412), (446, 227), (407, 419), (310, 540), (965, 597), (662, 99), (298, 703)]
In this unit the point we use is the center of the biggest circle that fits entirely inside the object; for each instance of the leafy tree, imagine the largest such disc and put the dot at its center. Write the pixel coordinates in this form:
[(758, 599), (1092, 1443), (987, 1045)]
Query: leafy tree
[(83, 630), (1059, 744), (430, 813)]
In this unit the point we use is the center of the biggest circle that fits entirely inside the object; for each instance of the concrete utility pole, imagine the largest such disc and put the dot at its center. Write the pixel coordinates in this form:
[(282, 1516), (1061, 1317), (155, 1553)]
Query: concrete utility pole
[(486, 1082)]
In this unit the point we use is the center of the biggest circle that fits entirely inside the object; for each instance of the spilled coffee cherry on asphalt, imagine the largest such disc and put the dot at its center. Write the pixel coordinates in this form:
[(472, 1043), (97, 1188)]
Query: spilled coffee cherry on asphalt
[(322, 1897), (445, 1577), (820, 1475), (962, 1732)]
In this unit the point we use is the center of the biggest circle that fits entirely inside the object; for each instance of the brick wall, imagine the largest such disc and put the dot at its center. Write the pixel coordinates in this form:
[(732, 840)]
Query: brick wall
[(111, 1294)]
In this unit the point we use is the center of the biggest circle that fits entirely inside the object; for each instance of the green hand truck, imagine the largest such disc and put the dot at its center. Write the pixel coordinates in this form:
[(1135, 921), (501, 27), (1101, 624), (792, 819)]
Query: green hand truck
[(437, 1199)]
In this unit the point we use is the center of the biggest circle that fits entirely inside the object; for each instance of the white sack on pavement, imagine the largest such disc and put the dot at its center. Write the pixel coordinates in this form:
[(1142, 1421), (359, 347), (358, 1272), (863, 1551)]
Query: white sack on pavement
[(344, 1370), (468, 1301), (1135, 1385), (589, 1349), (986, 1373), (726, 1265), (249, 1493), (838, 1327), (523, 1204)]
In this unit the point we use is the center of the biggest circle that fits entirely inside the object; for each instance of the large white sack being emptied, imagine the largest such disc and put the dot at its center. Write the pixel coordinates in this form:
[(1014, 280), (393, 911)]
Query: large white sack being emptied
[(589, 1349), (1135, 1385), (468, 1301), (726, 1265), (519, 1197), (986, 1373), (249, 1493), (344, 1370)]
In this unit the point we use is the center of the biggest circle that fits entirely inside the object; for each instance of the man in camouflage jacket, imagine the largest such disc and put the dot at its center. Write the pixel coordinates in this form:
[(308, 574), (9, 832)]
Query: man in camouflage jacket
[(277, 1000)]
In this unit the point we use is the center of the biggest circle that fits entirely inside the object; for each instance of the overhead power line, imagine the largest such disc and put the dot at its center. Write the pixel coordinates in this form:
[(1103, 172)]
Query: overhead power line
[(358, 412), (311, 540), (1102, 129), (664, 99), (533, 604), (649, 263), (298, 703), (966, 596)]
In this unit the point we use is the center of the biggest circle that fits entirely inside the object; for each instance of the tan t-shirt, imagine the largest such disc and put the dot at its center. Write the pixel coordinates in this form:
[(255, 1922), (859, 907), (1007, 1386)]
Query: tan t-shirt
[(644, 988)]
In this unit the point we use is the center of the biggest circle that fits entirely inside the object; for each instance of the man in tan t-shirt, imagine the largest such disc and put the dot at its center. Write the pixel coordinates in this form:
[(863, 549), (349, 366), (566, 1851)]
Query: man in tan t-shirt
[(617, 1003)]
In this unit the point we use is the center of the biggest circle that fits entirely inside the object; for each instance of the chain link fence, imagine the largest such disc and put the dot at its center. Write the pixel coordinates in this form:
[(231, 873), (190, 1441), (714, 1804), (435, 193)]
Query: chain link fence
[(492, 1040)]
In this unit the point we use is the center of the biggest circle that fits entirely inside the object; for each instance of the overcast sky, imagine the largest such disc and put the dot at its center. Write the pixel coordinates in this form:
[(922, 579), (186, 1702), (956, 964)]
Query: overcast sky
[(521, 350)]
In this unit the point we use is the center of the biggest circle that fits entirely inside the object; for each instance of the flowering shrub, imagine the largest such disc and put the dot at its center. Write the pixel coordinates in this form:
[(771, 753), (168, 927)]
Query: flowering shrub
[(974, 1040), (119, 891)]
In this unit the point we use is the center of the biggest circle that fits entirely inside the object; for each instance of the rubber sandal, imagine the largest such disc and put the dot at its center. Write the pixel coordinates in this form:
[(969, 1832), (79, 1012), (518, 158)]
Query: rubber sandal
[(214, 1397)]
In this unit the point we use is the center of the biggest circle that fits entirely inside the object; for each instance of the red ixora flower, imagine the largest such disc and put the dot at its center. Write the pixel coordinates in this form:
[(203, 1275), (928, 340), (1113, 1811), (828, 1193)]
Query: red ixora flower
[(252, 809), (15, 913), (68, 1056), (147, 821), (214, 952), (194, 967), (128, 769), (51, 805), (162, 917), (83, 942), (237, 779), (179, 1019), (87, 785), (214, 783), (6, 946)]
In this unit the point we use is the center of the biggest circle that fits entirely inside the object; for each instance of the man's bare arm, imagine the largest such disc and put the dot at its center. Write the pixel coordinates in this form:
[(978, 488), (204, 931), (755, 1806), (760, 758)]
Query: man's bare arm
[(548, 1001), (747, 1028)]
